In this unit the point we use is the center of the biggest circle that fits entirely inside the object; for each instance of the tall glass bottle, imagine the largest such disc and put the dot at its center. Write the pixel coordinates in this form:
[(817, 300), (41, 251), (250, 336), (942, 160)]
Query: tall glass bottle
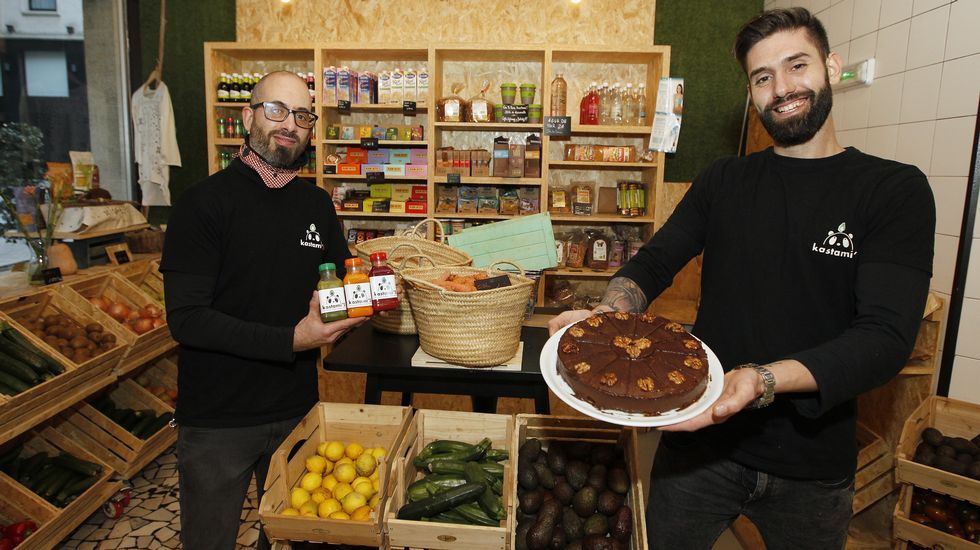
[(330, 290), (357, 289), (616, 106), (384, 295), (223, 88), (605, 104), (629, 106), (559, 96), (641, 106)]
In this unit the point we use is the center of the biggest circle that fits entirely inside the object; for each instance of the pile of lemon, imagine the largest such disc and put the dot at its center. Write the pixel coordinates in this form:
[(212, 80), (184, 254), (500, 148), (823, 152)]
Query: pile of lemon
[(341, 482)]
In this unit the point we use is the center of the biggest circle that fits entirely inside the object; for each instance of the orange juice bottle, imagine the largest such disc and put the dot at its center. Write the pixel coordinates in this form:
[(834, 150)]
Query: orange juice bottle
[(357, 289)]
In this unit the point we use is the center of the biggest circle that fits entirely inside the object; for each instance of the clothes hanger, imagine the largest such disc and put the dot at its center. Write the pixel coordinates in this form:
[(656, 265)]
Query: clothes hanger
[(155, 78)]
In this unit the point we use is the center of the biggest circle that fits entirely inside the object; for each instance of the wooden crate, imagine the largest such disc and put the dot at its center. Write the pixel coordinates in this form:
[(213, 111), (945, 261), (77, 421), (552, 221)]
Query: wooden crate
[(143, 347), (113, 444), (54, 523), (559, 428), (954, 419), (161, 374), (906, 530), (874, 478), (369, 425), (925, 353), (145, 275), (468, 427)]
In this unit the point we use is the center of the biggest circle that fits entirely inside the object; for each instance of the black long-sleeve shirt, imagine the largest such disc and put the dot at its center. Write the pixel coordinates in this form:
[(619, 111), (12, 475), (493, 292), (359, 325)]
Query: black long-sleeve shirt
[(826, 261), (240, 267)]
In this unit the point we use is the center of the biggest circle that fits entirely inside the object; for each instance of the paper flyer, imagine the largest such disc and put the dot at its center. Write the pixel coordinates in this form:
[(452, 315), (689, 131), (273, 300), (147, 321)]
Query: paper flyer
[(667, 119)]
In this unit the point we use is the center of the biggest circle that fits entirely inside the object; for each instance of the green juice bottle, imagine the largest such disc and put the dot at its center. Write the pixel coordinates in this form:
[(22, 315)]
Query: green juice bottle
[(333, 306)]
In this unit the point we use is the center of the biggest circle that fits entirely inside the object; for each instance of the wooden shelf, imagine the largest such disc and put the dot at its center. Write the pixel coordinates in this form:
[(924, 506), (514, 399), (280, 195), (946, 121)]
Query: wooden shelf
[(229, 105), (588, 164), (580, 272), (489, 126), (603, 218), (364, 178), (383, 108), (354, 214), (458, 216), (489, 180), (229, 141), (586, 129), (392, 142)]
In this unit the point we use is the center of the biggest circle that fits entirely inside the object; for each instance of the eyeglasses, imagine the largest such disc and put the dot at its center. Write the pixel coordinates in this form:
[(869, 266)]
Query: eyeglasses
[(277, 112)]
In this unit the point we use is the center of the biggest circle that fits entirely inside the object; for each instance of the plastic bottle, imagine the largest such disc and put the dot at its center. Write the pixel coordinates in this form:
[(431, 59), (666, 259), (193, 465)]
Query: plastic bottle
[(641, 106), (616, 106), (590, 107), (357, 289), (559, 96), (384, 295), (604, 104), (330, 291), (629, 106)]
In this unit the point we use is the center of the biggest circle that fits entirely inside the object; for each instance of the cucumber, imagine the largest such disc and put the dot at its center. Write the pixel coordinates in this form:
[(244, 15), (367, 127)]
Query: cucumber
[(73, 489), (7, 390), (447, 500), (475, 515), (144, 422), (488, 501), (23, 354), (14, 367), (471, 452), (449, 516), (12, 382), (438, 447), (157, 425), (76, 464), (497, 455), (456, 467), (17, 338)]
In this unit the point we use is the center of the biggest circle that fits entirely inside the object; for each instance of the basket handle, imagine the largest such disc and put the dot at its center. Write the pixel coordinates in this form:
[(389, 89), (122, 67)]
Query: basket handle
[(439, 231), (391, 253), (509, 262), (420, 257)]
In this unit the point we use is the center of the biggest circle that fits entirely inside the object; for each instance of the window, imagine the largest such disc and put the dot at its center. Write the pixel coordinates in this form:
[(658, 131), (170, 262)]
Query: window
[(47, 73), (42, 5)]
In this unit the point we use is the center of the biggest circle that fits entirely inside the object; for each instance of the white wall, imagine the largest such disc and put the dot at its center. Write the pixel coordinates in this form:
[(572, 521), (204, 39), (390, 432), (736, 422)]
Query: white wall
[(921, 110), (41, 24)]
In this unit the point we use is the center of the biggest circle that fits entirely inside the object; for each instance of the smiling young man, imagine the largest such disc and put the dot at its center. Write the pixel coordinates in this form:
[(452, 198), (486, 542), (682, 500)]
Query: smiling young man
[(817, 261), (240, 271)]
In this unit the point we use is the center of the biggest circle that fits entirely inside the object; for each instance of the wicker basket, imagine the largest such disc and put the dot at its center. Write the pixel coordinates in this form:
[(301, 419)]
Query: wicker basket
[(399, 248), (473, 329)]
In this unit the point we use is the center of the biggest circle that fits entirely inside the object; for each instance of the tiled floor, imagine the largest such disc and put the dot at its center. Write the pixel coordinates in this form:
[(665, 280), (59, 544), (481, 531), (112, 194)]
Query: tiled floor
[(152, 518)]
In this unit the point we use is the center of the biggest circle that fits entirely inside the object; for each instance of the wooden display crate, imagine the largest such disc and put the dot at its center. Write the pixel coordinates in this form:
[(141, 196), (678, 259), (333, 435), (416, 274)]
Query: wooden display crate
[(161, 374), (560, 428), (925, 353), (906, 530), (874, 478), (54, 523), (954, 419), (113, 444), (115, 287), (428, 426), (369, 425), (20, 412), (145, 275)]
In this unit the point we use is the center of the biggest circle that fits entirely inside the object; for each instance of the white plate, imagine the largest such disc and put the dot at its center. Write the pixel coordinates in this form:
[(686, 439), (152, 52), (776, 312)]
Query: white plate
[(549, 369)]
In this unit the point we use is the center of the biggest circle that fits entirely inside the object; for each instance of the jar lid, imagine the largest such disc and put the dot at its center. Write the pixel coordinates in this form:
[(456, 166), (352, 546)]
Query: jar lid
[(508, 85), (352, 262), (379, 256), (325, 267), (528, 85)]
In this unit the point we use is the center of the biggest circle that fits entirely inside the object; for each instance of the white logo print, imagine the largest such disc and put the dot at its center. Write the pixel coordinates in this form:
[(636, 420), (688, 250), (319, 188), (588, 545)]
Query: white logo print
[(312, 238), (837, 243)]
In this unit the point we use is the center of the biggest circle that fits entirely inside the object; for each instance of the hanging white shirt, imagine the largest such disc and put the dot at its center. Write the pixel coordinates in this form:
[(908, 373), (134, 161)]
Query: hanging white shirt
[(155, 142)]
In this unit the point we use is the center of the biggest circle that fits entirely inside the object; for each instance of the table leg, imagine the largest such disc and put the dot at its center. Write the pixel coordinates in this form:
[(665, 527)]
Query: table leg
[(372, 390), (484, 403)]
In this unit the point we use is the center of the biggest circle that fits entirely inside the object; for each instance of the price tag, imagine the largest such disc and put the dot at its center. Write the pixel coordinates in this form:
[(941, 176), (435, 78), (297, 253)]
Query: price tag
[(343, 106), (375, 177), (371, 143), (557, 125), (51, 275), (452, 178), (409, 108), (121, 257)]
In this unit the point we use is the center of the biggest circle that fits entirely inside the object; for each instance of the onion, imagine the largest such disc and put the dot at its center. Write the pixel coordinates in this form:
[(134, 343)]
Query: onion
[(101, 303), (151, 311), (118, 312), (159, 322), (133, 315), (141, 326)]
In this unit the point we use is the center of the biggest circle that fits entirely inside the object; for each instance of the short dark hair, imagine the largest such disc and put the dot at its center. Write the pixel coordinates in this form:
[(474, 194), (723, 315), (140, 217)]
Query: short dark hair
[(770, 22)]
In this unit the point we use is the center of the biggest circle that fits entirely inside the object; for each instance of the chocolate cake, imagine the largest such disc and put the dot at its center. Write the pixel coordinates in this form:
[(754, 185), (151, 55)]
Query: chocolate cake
[(637, 363)]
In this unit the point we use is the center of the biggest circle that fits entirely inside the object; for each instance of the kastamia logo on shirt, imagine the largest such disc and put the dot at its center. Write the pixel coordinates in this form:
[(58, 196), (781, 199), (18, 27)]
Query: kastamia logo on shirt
[(312, 238), (837, 243)]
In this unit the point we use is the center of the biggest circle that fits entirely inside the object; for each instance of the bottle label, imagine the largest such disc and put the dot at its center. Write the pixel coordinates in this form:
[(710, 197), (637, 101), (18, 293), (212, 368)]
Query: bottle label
[(383, 287), (245, 95), (236, 95), (599, 250), (358, 295), (222, 94), (331, 300)]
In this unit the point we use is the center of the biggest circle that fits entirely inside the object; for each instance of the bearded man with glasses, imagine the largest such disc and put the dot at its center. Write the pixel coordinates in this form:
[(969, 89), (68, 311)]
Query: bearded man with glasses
[(240, 268)]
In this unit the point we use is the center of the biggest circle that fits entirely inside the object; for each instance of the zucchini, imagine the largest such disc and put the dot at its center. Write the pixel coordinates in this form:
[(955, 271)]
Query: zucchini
[(475, 515), (444, 466), (18, 369), (497, 455), (418, 490), (155, 426), (12, 382), (439, 447), (144, 422), (490, 502), (31, 465), (73, 489), (9, 456), (17, 338), (7, 390), (37, 481), (76, 464), (472, 452), (449, 516), (23, 355), (55, 476), (446, 500)]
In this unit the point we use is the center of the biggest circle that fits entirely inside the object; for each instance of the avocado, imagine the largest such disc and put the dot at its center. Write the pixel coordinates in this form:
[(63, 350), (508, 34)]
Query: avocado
[(925, 454), (600, 542), (965, 458), (973, 470), (609, 502), (963, 445), (618, 480), (949, 464), (546, 479), (542, 457), (563, 491), (529, 450), (520, 535), (527, 475), (550, 511), (602, 454), (580, 450), (621, 524), (558, 538), (577, 472), (574, 545), (539, 535), (584, 501), (531, 501), (946, 450), (557, 459), (597, 477), (597, 524), (574, 525), (932, 436)]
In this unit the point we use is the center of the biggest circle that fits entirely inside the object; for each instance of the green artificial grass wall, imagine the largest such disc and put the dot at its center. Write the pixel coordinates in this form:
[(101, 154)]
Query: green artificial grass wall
[(701, 34)]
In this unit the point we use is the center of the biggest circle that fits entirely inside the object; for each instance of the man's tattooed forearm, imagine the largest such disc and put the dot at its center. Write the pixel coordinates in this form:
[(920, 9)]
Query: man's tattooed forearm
[(623, 294)]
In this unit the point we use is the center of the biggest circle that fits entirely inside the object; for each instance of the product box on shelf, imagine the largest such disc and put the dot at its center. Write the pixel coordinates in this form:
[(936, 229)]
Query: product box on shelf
[(501, 157), (515, 167), (352, 205), (465, 427), (380, 190), (395, 169), (401, 191), (349, 169), (416, 170), (368, 425), (953, 419), (399, 156), (419, 193), (532, 157), (415, 207), (575, 430), (369, 168), (396, 207), (419, 156), (356, 155), (378, 156), (55, 523), (480, 163), (906, 529)]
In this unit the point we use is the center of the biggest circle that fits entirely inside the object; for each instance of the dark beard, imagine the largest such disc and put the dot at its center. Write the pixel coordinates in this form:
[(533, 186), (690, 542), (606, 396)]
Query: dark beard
[(801, 129), (274, 154)]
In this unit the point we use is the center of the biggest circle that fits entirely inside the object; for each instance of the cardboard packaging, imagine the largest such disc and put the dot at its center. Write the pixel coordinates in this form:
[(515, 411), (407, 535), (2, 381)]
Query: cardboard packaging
[(349, 169), (367, 168), (356, 155), (501, 157), (419, 193), (379, 156), (380, 190), (480, 163), (394, 170), (396, 207), (415, 207), (419, 156), (399, 156), (532, 157), (516, 161), (416, 170), (401, 192)]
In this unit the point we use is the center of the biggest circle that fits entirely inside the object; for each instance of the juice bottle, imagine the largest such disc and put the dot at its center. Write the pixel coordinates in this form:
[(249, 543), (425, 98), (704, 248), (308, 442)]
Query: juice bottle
[(330, 290), (357, 289), (384, 296), (559, 95), (589, 111)]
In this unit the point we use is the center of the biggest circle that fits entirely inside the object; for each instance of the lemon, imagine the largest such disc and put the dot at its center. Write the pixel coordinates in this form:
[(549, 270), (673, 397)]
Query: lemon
[(319, 494), (329, 482), (316, 464), (373, 503), (339, 514), (376, 485), (353, 450), (345, 472), (290, 512), (343, 460), (358, 480), (311, 481), (375, 475), (327, 468), (298, 497), (308, 509), (332, 450), (366, 464), (365, 489), (353, 501), (361, 514), (342, 490), (378, 452), (328, 507)]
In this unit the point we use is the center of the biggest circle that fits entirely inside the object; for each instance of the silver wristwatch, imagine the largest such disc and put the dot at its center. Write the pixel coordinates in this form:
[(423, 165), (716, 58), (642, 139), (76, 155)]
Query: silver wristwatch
[(768, 386)]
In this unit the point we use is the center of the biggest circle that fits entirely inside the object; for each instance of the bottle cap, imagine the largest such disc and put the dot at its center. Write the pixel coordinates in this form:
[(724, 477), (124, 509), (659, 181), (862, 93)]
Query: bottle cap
[(327, 266), (350, 262), (382, 256)]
